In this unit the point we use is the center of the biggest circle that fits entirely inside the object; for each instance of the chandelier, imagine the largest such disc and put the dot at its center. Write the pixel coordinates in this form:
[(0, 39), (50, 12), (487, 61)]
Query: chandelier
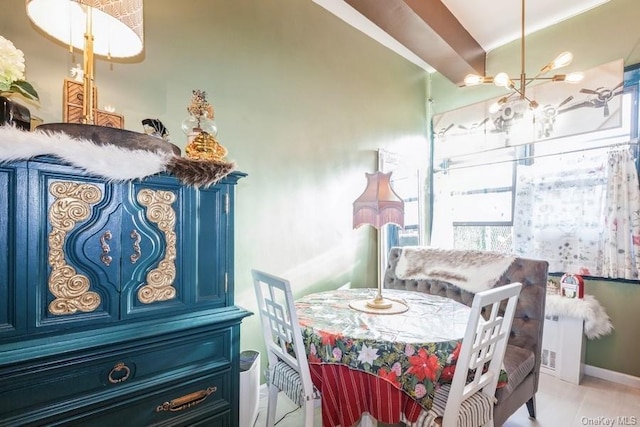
[(502, 79)]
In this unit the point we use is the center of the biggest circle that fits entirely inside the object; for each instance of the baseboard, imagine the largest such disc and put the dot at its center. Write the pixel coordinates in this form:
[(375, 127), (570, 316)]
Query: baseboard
[(613, 376)]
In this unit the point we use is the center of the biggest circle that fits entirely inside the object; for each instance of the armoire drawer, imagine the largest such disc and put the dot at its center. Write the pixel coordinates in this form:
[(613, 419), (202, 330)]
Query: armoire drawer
[(182, 403), (110, 371)]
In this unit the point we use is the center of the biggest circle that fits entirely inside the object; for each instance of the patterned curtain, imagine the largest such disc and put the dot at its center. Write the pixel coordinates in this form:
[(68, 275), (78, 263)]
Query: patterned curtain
[(621, 234), (557, 214)]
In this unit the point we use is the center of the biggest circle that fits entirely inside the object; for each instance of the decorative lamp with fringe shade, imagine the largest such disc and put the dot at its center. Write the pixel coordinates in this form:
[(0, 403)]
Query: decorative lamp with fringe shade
[(378, 206)]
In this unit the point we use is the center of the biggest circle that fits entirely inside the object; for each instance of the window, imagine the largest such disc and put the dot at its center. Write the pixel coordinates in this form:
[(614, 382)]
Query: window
[(406, 182), (539, 199)]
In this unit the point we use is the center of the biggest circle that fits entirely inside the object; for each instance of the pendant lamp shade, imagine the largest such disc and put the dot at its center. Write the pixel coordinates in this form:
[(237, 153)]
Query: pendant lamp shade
[(378, 204), (117, 26), (111, 28)]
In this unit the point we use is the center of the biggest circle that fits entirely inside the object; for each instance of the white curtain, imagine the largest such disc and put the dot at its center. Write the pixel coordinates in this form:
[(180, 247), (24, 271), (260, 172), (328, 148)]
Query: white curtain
[(442, 226), (578, 211), (621, 215), (557, 213)]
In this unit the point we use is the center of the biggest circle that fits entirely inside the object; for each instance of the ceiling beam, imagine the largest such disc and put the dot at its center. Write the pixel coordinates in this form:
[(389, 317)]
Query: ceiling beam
[(429, 30)]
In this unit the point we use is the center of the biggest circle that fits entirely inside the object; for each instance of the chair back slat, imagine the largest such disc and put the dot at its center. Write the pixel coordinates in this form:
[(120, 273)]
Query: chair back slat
[(281, 330), (483, 347)]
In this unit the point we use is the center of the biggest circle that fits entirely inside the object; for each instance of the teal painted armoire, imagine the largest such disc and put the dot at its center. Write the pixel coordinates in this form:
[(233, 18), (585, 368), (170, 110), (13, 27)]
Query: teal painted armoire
[(116, 299)]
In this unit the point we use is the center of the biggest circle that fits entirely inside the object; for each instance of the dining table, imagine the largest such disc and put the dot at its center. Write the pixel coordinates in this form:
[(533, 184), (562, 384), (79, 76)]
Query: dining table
[(384, 365)]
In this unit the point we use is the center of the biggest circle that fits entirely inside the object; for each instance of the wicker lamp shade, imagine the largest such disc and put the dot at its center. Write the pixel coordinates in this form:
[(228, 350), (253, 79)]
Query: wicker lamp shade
[(111, 28), (117, 26)]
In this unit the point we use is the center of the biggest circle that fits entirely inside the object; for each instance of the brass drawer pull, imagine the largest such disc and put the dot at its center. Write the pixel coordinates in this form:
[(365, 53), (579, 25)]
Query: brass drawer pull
[(105, 258), (136, 247), (120, 366), (187, 401)]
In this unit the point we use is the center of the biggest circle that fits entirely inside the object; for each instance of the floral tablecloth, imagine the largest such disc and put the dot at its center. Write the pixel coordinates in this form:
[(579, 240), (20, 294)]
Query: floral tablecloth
[(412, 351)]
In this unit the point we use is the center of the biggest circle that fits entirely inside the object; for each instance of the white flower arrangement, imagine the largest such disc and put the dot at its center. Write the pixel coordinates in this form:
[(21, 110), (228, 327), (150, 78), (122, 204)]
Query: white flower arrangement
[(12, 71)]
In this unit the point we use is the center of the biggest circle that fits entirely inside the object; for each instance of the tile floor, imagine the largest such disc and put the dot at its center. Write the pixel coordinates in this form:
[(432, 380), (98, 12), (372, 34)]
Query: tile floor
[(594, 402)]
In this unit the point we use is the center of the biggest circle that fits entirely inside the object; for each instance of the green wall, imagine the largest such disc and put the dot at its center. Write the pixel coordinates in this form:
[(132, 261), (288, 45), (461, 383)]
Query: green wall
[(302, 103), (617, 351), (601, 35)]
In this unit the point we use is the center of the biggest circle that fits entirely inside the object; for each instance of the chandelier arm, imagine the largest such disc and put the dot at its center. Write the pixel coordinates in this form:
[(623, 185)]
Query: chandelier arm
[(512, 94), (537, 77), (518, 91), (522, 52), (521, 93), (519, 86)]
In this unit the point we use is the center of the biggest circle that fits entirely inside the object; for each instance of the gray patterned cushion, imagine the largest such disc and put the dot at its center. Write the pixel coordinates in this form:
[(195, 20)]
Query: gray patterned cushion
[(288, 380), (475, 411), (518, 362)]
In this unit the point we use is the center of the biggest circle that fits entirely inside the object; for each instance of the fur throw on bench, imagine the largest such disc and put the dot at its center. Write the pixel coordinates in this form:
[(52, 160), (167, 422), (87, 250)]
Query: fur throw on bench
[(596, 320), (473, 271)]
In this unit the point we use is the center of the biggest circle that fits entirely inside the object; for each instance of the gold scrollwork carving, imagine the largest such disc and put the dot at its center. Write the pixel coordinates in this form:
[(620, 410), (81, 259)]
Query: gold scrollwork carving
[(160, 279), (72, 203)]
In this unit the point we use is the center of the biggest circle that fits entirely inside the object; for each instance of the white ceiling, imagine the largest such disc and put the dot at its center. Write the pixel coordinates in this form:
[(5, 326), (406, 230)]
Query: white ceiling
[(493, 23)]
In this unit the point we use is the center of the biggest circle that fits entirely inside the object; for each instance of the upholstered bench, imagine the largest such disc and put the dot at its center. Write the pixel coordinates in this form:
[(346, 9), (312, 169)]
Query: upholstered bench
[(522, 358)]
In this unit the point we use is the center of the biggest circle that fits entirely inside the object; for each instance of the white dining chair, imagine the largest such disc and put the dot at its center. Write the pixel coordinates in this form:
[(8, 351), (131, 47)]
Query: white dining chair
[(288, 367), (468, 401)]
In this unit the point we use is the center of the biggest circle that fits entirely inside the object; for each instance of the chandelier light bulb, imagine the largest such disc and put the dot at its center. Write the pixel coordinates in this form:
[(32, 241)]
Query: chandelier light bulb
[(562, 60), (502, 79), (472, 80), (495, 107), (574, 77)]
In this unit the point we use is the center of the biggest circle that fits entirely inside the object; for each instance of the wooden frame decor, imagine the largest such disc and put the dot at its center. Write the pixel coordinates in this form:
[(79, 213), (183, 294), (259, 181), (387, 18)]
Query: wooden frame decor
[(72, 107)]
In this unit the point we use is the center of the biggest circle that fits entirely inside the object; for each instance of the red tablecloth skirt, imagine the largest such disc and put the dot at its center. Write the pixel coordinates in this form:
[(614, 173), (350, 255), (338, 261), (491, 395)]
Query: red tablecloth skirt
[(348, 393)]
